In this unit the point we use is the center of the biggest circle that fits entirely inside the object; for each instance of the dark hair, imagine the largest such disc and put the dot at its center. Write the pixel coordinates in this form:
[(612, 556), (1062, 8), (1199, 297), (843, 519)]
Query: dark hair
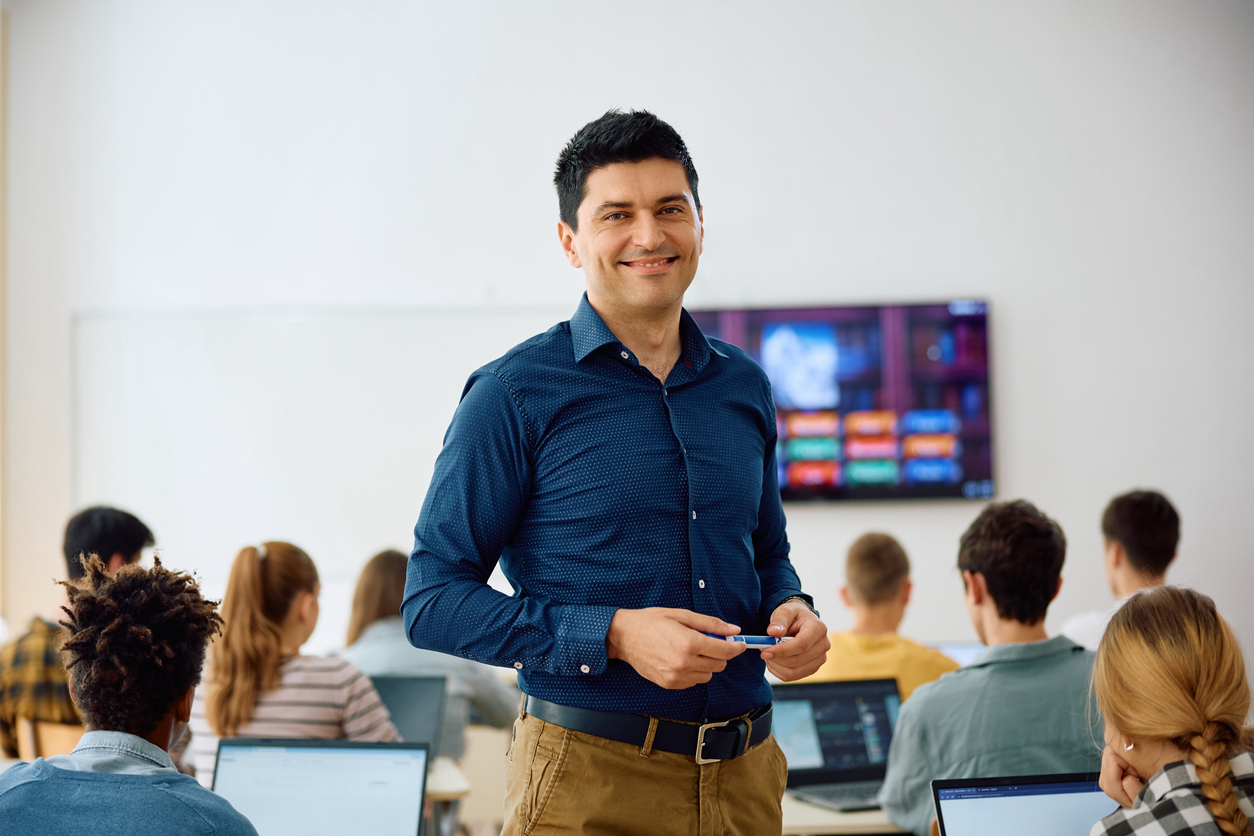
[(134, 643), (875, 567), (105, 532), (1020, 553), (380, 588), (616, 137), (1147, 526)]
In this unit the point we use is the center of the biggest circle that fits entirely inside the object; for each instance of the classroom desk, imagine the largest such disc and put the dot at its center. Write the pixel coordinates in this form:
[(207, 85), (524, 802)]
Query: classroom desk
[(804, 819)]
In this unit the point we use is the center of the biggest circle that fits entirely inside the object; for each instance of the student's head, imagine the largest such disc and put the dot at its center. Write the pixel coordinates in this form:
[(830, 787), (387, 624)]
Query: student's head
[(1169, 670), (1011, 559), (1142, 530), (115, 536), (630, 213), (379, 591), (270, 610), (134, 644), (877, 572)]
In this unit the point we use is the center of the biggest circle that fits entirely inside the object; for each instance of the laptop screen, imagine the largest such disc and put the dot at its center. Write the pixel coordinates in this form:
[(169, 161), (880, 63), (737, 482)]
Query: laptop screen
[(299, 787), (834, 732), (1039, 805), (416, 704)]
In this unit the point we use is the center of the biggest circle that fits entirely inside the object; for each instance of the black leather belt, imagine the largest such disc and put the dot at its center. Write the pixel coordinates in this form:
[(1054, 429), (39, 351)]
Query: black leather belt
[(709, 742)]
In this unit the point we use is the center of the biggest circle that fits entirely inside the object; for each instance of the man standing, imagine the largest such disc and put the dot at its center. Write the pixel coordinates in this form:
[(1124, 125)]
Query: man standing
[(621, 466)]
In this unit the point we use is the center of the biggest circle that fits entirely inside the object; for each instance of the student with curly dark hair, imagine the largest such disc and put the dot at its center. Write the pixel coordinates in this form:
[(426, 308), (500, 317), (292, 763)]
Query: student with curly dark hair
[(134, 645)]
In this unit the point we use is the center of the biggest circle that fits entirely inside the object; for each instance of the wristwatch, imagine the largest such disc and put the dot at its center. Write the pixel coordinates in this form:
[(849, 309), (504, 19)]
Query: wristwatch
[(809, 606)]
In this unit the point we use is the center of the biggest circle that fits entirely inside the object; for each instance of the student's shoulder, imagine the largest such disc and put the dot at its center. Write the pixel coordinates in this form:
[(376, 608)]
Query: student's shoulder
[(318, 669), (213, 808), (922, 653), (20, 775)]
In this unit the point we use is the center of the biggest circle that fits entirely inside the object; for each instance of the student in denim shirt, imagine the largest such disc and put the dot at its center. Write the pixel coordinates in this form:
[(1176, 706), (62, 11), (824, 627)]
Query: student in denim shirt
[(134, 646)]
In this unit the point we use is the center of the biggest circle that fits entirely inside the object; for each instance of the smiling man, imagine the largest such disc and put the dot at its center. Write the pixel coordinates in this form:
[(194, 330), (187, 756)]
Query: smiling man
[(621, 467)]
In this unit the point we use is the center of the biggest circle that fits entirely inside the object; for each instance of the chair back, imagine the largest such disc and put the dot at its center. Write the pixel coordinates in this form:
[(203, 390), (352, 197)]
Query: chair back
[(41, 739)]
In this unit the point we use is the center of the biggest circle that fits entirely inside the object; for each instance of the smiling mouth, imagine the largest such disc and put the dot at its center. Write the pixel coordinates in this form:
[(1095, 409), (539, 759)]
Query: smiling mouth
[(651, 263)]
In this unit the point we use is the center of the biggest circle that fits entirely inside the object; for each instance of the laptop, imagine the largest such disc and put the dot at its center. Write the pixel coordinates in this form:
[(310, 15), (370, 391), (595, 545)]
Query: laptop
[(1031, 805), (416, 704), (836, 736), (304, 787)]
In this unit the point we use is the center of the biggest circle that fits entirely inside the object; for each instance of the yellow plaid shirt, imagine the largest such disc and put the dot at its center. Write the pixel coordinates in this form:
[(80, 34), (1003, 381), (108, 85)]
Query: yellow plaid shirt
[(33, 683)]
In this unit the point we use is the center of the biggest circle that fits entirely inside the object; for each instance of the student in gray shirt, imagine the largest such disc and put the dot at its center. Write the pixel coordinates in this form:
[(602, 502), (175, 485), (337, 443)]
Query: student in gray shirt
[(1024, 707), (134, 646)]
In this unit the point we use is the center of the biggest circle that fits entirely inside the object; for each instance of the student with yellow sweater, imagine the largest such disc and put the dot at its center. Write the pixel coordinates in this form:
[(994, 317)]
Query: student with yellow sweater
[(877, 590)]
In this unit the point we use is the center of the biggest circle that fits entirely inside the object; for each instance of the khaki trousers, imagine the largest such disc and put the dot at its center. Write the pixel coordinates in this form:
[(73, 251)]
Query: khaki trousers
[(563, 781)]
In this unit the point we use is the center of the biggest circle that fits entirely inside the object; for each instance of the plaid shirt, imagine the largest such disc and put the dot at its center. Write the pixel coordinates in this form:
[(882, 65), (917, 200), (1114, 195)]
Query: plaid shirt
[(33, 683), (1172, 803)]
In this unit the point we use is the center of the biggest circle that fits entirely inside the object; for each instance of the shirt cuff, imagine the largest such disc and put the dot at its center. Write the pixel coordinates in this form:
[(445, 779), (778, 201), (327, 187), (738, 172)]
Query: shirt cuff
[(581, 639), (793, 596)]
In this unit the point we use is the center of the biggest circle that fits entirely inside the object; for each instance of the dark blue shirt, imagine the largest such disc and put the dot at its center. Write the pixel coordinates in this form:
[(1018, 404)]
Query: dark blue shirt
[(597, 488)]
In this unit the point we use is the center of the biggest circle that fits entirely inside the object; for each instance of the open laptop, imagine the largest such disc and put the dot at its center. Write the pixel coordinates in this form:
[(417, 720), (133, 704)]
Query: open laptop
[(1032, 805), (304, 787), (416, 704), (836, 736)]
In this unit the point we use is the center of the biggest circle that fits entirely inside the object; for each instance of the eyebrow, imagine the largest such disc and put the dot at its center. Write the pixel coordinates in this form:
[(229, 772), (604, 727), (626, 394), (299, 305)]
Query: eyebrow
[(673, 198)]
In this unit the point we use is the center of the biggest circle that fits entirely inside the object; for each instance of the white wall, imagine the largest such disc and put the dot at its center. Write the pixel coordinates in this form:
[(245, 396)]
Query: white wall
[(1085, 166)]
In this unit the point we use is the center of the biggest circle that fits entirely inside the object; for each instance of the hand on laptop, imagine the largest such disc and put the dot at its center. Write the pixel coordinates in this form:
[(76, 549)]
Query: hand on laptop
[(806, 652), (1118, 779)]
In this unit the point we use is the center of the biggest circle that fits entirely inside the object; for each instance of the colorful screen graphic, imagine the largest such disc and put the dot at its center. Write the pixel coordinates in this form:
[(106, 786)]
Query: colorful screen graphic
[(874, 402)]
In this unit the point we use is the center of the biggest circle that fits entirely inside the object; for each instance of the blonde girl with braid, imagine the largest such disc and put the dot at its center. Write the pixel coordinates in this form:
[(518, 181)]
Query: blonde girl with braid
[(1170, 681)]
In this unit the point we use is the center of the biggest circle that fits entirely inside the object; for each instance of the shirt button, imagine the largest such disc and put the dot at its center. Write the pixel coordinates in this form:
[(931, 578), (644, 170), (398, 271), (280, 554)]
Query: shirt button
[(701, 584), (624, 354), (518, 665), (585, 668), (694, 515)]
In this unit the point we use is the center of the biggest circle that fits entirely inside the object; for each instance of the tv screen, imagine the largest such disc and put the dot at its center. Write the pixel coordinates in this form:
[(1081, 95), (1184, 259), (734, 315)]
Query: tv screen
[(873, 402)]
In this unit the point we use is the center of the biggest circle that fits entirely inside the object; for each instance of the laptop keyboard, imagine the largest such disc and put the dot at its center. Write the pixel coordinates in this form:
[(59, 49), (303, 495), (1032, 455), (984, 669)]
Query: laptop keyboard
[(859, 794)]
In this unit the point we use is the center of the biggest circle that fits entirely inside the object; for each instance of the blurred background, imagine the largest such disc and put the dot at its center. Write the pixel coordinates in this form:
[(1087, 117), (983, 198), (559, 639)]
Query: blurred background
[(252, 250)]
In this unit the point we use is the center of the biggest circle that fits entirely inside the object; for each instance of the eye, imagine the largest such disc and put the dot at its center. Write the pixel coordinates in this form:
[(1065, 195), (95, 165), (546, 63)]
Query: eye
[(614, 216), (672, 210)]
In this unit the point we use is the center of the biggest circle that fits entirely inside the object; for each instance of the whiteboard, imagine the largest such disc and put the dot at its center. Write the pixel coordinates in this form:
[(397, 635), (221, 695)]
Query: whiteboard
[(224, 430)]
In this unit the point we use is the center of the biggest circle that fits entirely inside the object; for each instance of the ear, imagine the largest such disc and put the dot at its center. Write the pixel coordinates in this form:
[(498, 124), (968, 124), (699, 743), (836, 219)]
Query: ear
[(308, 601), (846, 597), (183, 706), (116, 562), (976, 589), (566, 236), (701, 230), (904, 595), (1116, 554), (1057, 589)]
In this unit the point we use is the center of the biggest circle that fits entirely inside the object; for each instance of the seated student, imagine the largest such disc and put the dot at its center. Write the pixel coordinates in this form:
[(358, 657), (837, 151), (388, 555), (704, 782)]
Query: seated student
[(1142, 530), (1023, 707), (257, 683), (33, 680), (134, 646), (377, 644), (877, 589), (1170, 682)]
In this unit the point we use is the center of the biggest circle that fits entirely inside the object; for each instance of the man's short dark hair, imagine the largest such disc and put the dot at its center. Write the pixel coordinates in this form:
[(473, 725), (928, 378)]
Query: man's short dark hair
[(134, 643), (1020, 553), (616, 137), (102, 531), (1146, 524)]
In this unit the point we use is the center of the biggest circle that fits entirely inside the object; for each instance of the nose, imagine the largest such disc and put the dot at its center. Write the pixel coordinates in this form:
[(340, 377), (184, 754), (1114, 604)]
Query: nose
[(648, 233)]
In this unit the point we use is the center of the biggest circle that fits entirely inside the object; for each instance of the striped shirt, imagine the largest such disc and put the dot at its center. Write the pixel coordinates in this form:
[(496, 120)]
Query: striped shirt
[(318, 697)]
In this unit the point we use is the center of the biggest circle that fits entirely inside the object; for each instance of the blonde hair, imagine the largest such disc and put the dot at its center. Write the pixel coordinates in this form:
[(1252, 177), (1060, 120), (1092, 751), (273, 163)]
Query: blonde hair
[(1169, 669), (875, 567), (379, 591), (244, 661)]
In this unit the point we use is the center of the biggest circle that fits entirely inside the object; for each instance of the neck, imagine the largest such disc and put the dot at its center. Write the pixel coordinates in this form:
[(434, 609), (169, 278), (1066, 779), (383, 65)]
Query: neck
[(1008, 631), (652, 335), (1129, 582), (876, 620)]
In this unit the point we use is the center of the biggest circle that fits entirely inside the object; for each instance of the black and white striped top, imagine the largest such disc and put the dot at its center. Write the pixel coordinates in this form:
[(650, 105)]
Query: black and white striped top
[(326, 698)]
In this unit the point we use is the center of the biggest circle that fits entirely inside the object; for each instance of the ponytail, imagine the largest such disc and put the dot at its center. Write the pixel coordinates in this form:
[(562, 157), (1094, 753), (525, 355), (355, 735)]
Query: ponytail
[(244, 661)]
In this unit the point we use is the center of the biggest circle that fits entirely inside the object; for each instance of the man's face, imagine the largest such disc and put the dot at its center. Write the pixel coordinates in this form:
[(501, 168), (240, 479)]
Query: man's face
[(639, 237)]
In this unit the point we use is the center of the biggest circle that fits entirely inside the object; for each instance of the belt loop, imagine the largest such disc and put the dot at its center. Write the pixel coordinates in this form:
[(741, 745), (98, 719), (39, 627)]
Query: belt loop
[(522, 707), (647, 748), (749, 733)]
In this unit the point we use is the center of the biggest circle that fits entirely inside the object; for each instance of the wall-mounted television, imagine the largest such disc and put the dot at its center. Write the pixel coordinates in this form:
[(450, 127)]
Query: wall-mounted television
[(874, 402)]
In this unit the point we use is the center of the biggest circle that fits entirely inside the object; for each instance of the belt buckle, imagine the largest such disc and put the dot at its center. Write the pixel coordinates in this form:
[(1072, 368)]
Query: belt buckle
[(701, 740)]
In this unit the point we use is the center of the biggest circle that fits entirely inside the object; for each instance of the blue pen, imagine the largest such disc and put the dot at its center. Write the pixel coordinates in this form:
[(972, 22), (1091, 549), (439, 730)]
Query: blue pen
[(755, 642)]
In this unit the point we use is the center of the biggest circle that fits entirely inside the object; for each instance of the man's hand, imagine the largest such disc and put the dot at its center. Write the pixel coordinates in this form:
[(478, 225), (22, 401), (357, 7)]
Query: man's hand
[(1118, 779), (807, 651), (666, 646)]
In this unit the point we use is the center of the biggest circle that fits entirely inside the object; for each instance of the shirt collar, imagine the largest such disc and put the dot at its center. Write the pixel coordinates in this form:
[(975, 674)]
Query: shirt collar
[(1023, 651), (589, 332), (124, 744)]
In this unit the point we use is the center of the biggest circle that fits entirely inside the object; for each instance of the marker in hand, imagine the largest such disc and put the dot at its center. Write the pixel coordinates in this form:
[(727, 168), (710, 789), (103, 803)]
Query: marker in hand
[(752, 642)]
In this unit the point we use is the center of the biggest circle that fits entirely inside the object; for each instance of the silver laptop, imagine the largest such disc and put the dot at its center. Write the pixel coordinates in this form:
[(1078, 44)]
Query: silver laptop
[(1027, 805), (310, 787), (836, 737)]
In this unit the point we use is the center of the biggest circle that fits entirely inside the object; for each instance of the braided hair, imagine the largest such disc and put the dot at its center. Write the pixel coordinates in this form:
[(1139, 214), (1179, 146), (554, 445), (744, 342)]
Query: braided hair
[(133, 643), (1169, 668)]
